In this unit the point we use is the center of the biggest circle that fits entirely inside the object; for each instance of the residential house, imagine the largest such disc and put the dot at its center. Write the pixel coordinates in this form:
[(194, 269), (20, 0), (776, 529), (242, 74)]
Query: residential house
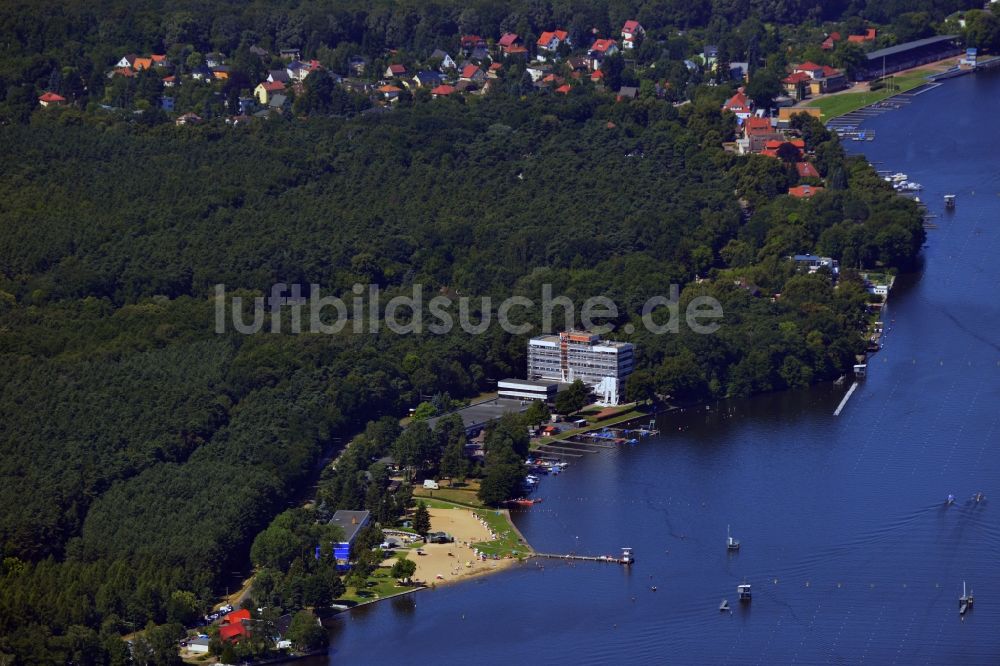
[(804, 191), (796, 85), (481, 53), (739, 104), (550, 40), (631, 32), (198, 645), (426, 79), (169, 81), (508, 41), (563, 89), (259, 52), (869, 36), (201, 73), (220, 72), (51, 99), (756, 133), (599, 50), (390, 92), (822, 78), (395, 71), (142, 63), (578, 63), (289, 54), (538, 70), (235, 626), (494, 71), (447, 62), (159, 60), (472, 73), (710, 55), (298, 71), (467, 86), (265, 89), (278, 102), (831, 41), (739, 71), (213, 60), (627, 92), (126, 61), (780, 148), (597, 77), (470, 43), (278, 76), (188, 119), (813, 263), (442, 90)]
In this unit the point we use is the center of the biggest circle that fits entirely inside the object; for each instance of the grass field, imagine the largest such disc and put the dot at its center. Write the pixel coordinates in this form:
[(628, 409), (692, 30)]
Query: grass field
[(840, 104), (508, 542), (465, 495)]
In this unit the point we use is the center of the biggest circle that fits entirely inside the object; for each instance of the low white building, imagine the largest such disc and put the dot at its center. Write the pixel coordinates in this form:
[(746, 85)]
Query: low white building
[(528, 389)]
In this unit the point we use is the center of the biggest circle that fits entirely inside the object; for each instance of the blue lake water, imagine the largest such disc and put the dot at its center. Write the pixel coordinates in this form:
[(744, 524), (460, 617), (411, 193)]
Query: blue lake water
[(851, 552)]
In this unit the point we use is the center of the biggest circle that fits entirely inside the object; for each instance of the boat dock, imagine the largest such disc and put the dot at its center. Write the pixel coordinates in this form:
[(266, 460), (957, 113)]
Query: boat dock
[(847, 396), (608, 559)]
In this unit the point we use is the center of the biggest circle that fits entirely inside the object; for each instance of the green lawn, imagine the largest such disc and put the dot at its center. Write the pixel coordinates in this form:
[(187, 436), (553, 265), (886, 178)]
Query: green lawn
[(377, 586), (837, 105), (466, 496), (508, 542), (628, 415)]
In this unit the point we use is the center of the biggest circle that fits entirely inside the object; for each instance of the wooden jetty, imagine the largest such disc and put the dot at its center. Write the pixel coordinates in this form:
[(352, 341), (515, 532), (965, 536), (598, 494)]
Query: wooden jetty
[(560, 450), (626, 558)]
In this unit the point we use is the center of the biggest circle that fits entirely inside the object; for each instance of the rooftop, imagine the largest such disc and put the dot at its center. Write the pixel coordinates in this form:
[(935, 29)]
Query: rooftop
[(903, 48), (351, 522), (478, 415)]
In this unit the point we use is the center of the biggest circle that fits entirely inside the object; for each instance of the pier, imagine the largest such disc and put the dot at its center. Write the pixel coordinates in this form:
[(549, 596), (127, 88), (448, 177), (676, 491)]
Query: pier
[(608, 559), (843, 403)]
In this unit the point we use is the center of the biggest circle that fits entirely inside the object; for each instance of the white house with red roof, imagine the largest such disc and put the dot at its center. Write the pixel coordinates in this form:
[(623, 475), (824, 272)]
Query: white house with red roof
[(631, 32), (739, 104), (395, 71), (550, 40), (472, 73), (51, 99), (599, 50)]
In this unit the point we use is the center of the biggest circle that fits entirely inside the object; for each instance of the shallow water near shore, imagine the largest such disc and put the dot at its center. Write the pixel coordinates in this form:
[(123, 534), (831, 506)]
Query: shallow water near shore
[(846, 539)]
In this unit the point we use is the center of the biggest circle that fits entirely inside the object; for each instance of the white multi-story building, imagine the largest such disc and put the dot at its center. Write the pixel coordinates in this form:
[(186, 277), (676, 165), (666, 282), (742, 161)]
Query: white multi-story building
[(602, 365)]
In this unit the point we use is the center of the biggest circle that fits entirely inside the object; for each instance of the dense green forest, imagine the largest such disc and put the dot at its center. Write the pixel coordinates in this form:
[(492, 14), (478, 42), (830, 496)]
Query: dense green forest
[(142, 453)]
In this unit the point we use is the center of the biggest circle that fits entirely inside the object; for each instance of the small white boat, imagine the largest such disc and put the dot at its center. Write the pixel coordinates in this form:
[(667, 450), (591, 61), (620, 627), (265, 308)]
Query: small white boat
[(731, 543)]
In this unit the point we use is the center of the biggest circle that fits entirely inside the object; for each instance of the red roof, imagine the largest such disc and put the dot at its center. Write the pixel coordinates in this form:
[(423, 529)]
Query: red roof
[(807, 66), (602, 45), (156, 57), (804, 191), (797, 77), (236, 616), (397, 69), (758, 126), (806, 170), (631, 27), (597, 75), (272, 86), (443, 89), (471, 40), (517, 48), (508, 39), (564, 89), (830, 71), (496, 66), (469, 71), (546, 38), (228, 632), (737, 102), (51, 97)]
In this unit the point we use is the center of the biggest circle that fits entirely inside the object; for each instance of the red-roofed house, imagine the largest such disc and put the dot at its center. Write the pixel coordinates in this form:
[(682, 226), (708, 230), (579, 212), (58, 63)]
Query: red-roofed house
[(597, 76), (390, 92), (494, 70), (739, 104), (234, 625), (51, 99), (804, 191), (756, 133), (796, 84), (822, 78), (442, 90), (507, 41), (265, 89), (169, 81), (564, 89), (470, 42), (550, 40), (394, 71), (806, 170), (830, 41), (869, 36), (599, 50), (473, 73), (631, 32)]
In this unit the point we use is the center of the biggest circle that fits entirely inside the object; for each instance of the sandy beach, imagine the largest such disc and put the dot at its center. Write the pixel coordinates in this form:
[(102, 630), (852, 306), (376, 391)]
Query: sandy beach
[(444, 563)]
